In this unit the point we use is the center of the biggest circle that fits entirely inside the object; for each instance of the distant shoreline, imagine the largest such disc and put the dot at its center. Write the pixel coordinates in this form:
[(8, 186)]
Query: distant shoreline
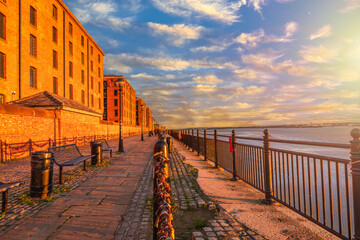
[(285, 126)]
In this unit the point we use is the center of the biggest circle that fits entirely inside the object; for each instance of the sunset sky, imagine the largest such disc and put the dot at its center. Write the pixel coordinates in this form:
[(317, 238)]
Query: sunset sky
[(220, 63)]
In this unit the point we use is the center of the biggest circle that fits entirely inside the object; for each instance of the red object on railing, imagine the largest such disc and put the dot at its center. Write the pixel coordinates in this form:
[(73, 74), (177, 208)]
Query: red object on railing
[(230, 145)]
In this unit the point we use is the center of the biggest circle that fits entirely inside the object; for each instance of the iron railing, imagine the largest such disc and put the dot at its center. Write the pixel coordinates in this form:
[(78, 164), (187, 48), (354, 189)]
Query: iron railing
[(320, 188)]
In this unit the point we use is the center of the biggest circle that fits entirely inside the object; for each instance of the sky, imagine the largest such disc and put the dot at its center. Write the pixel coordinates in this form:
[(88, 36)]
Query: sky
[(224, 63)]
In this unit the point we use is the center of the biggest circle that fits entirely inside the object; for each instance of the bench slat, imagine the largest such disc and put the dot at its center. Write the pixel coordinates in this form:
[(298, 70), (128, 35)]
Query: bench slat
[(75, 161), (7, 186)]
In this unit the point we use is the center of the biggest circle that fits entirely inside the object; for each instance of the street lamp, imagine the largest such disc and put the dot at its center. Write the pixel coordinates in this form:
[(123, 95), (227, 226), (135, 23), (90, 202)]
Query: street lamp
[(119, 83), (142, 122)]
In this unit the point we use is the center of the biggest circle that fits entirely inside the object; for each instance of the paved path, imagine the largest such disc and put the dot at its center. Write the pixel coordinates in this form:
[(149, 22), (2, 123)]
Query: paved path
[(102, 206), (243, 202)]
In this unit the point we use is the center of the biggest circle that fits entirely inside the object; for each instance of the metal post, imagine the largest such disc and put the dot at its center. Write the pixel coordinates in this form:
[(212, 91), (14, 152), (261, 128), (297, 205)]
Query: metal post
[(192, 140), (1, 150), (4, 201), (233, 142), (49, 142), (216, 152), (205, 153), (198, 142), (5, 153), (355, 171), (267, 169), (121, 143), (142, 123), (30, 147)]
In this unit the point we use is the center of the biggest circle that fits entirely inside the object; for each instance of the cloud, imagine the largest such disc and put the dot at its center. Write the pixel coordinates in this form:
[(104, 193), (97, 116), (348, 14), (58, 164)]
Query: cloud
[(144, 76), (253, 75), (209, 79), (208, 49), (317, 54), (257, 4), (205, 88), (350, 5), (323, 32), (243, 105), (219, 10), (251, 40), (177, 33)]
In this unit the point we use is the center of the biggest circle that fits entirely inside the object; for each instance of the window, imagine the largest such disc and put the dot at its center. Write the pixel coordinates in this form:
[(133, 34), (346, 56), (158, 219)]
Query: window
[(70, 69), (98, 72), (82, 40), (70, 29), (115, 92), (32, 77), (91, 66), (115, 102), (100, 103), (54, 33), (54, 13), (32, 45), (82, 58), (116, 112), (71, 92), (98, 58), (92, 100), (32, 16), (2, 65), (55, 85), (91, 50), (82, 96), (92, 83), (2, 98), (82, 76), (70, 48), (55, 59), (99, 86), (2, 26)]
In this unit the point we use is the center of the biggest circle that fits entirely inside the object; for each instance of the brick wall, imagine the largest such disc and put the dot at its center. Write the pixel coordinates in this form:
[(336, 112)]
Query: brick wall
[(19, 124)]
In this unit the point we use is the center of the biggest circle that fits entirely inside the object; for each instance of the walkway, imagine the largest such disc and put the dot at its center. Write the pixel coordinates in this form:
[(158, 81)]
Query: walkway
[(243, 202), (96, 207)]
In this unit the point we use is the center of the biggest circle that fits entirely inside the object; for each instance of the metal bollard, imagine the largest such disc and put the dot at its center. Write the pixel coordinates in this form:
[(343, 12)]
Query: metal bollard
[(41, 174), (96, 149), (163, 138), (162, 146), (169, 142)]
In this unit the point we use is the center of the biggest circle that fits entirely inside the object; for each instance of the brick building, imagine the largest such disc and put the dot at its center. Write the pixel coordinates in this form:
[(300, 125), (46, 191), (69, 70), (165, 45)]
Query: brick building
[(43, 47), (111, 101), (149, 118), (140, 112)]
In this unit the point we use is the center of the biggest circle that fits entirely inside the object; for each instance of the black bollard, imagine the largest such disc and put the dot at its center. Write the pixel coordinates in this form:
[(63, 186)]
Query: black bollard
[(161, 146), (96, 149), (169, 142), (41, 174)]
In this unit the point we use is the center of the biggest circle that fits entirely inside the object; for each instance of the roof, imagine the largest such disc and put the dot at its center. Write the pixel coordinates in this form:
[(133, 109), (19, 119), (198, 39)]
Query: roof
[(46, 99)]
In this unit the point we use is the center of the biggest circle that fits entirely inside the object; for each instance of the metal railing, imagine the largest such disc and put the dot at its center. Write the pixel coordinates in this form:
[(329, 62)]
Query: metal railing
[(320, 188), (10, 151)]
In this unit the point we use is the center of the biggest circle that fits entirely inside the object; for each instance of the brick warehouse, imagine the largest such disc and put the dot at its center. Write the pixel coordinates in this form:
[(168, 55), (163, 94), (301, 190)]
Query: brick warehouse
[(43, 47), (111, 101), (140, 112), (149, 118)]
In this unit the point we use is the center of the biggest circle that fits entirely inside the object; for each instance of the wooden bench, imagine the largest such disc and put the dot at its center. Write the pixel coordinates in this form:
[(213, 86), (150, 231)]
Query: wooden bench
[(4, 187), (105, 146), (68, 155)]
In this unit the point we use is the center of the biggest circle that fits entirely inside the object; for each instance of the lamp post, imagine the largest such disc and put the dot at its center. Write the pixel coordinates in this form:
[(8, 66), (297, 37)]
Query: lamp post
[(120, 82), (142, 122)]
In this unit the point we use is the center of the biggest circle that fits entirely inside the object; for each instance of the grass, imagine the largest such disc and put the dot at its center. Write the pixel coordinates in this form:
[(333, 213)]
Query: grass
[(104, 163), (2, 215), (62, 189), (200, 223)]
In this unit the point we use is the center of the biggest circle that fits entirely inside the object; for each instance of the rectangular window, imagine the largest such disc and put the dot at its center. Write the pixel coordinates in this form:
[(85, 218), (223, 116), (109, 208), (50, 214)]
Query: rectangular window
[(55, 85), (82, 96), (98, 72), (70, 69), (91, 50), (71, 92), (116, 112), (98, 58), (2, 65), (82, 76), (54, 13), (115, 92), (2, 98), (55, 59), (92, 100), (91, 66), (2, 26), (54, 35), (100, 103), (70, 29), (92, 83), (70, 48), (99, 86), (32, 77), (82, 40), (115, 102), (32, 16), (82, 58), (32, 45)]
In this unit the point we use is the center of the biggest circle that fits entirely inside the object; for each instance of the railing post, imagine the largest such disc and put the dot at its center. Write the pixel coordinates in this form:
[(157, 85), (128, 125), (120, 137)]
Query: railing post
[(355, 171), (267, 169), (205, 153), (30, 147), (1, 152), (216, 152), (49, 142), (233, 142), (5, 153), (192, 140), (198, 142)]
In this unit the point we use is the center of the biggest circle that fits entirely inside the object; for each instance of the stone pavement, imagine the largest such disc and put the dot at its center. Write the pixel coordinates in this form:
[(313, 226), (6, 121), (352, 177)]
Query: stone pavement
[(102, 205)]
